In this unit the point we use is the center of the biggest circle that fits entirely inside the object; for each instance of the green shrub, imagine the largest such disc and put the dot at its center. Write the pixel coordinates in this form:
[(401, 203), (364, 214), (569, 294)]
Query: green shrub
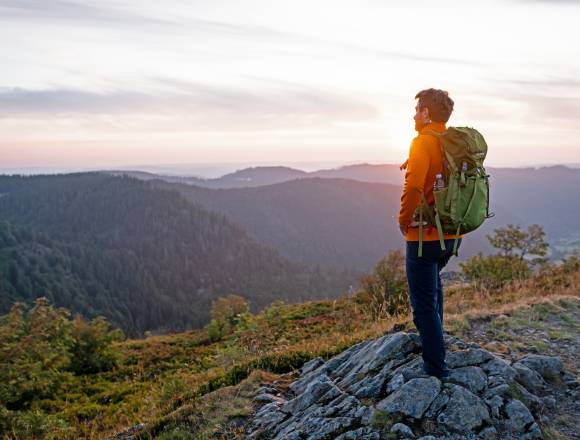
[(226, 313), (385, 290), (40, 347), (34, 353), (494, 271), (92, 348)]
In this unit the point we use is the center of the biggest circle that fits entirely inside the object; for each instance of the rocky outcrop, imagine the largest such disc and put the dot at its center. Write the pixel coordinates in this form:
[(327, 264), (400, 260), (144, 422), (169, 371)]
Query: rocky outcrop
[(376, 390)]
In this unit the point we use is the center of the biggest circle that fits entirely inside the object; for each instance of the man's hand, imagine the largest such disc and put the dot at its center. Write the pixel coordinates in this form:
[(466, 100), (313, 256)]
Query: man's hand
[(403, 166), (403, 230)]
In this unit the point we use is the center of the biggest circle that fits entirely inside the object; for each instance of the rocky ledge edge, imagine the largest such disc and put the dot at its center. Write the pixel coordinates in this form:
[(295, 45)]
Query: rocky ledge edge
[(376, 390)]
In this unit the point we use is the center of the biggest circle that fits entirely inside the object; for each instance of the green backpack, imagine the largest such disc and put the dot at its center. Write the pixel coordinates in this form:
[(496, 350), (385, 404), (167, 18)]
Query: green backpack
[(462, 198)]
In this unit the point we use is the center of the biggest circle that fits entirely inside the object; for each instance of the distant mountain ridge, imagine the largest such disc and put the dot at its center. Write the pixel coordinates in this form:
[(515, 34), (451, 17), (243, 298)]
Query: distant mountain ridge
[(270, 175), (545, 195)]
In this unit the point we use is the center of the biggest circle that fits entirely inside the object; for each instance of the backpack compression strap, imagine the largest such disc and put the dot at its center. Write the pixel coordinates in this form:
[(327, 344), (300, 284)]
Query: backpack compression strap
[(437, 223)]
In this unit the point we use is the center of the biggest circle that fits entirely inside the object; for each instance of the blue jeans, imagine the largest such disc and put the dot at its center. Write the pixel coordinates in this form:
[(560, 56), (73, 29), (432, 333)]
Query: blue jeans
[(426, 296)]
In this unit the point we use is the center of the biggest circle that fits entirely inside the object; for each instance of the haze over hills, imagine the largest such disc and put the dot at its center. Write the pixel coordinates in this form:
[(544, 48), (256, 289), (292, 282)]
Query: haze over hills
[(269, 175), (353, 222), (321, 221), (142, 256), (545, 195)]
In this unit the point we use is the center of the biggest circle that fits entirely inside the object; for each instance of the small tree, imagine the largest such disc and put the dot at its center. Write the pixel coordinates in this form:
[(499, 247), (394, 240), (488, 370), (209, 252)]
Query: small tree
[(513, 241), (385, 290), (226, 313), (515, 247)]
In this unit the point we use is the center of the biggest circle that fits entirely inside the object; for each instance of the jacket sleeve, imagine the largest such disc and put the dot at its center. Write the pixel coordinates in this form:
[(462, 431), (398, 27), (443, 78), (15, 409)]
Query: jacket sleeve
[(415, 177)]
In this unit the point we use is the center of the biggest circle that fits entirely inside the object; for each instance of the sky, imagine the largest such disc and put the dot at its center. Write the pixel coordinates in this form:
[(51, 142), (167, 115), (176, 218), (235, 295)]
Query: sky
[(93, 84)]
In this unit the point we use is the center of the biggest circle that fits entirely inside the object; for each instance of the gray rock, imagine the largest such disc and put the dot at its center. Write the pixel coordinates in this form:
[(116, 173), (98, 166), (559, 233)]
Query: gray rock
[(549, 367), (359, 434), (379, 351), (395, 347), (570, 380), (530, 379), (348, 407), (471, 377), (333, 364), (269, 420), (495, 404), (311, 365), (438, 403), (518, 417), (267, 389), (534, 433), (494, 381), (313, 393), (365, 413), (267, 410), (498, 367), (463, 358), (464, 411), (530, 400), (548, 402), (489, 433), (290, 432), (371, 386), (321, 428), (299, 385), (402, 430), (395, 383), (413, 398), (500, 390), (265, 397)]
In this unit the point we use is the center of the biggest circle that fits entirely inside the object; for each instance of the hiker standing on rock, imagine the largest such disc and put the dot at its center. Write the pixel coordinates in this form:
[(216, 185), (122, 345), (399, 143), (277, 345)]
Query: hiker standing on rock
[(425, 258)]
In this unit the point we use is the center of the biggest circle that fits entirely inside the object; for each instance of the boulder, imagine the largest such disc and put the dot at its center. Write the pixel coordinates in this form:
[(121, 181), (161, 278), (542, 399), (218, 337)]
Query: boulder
[(413, 398)]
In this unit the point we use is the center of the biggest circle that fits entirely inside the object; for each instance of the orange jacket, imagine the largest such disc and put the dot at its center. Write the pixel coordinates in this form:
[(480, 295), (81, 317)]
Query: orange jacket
[(424, 163)]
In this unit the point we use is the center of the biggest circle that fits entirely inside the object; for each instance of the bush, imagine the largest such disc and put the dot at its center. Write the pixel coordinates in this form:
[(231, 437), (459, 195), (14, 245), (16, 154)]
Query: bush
[(92, 349), (385, 290), (494, 271), (41, 346), (34, 353), (226, 313)]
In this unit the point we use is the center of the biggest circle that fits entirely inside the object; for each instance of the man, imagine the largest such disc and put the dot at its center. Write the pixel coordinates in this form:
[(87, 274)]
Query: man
[(433, 109)]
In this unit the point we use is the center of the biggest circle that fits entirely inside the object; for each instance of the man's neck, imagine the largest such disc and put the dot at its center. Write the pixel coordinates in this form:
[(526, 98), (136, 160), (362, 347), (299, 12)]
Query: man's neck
[(434, 125)]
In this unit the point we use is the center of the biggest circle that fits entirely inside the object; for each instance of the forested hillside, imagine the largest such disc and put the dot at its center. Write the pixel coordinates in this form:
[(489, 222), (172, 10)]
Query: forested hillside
[(322, 221), (353, 221), (144, 257)]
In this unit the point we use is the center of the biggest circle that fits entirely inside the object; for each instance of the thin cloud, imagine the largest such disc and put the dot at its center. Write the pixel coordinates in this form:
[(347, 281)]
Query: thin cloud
[(551, 81), (75, 13), (551, 2), (200, 102), (65, 11)]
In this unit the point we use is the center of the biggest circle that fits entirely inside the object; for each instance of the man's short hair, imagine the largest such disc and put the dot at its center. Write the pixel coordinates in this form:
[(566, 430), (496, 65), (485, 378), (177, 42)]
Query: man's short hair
[(438, 102)]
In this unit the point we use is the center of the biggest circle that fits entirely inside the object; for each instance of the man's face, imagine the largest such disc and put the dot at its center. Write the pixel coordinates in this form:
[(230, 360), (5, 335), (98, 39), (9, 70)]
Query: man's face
[(421, 117)]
